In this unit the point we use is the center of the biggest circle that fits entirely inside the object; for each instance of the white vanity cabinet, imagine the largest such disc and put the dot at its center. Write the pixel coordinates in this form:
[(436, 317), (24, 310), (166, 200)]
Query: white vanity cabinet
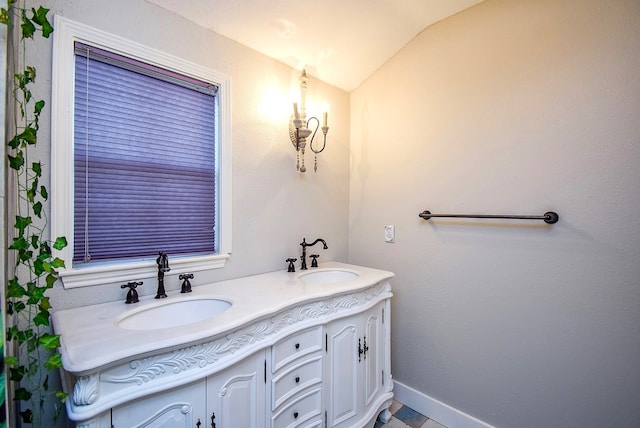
[(357, 365), (289, 352)]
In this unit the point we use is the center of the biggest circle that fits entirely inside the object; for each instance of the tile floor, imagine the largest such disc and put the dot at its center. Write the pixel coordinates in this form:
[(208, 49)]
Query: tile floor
[(405, 417)]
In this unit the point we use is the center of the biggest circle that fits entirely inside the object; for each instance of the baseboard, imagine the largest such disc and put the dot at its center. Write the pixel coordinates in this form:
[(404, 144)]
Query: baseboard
[(434, 409)]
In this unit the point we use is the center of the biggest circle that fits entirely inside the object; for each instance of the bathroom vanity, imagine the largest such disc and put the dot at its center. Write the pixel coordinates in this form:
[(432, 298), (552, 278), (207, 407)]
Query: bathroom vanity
[(281, 349)]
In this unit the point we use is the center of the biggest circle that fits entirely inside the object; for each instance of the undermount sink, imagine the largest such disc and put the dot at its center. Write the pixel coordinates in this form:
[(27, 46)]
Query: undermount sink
[(328, 276), (172, 314)]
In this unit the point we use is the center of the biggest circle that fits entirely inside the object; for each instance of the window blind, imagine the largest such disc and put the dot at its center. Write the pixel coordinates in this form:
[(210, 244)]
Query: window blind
[(144, 161)]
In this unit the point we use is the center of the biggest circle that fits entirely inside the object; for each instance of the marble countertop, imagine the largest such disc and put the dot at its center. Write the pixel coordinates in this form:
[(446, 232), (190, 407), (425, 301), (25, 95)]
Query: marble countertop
[(90, 338)]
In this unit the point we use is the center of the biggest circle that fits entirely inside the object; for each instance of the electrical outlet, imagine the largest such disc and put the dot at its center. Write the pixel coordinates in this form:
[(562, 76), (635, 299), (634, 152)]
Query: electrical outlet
[(389, 233)]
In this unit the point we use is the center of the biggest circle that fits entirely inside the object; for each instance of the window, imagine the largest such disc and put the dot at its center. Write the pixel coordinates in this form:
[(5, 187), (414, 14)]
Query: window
[(146, 139)]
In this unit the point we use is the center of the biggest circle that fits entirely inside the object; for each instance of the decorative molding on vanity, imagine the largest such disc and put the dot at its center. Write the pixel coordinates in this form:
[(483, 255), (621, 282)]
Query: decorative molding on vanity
[(85, 391), (180, 366)]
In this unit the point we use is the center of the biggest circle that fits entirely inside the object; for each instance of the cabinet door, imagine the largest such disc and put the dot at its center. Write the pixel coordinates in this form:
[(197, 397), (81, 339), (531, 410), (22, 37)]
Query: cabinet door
[(176, 408), (237, 396), (356, 348), (374, 353), (342, 371)]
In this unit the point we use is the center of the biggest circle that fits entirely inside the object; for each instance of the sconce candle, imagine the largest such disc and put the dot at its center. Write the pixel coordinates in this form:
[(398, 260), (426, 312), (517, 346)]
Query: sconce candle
[(299, 130)]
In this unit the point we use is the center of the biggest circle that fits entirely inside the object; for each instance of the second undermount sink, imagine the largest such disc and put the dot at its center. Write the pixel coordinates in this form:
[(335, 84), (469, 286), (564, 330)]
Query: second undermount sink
[(328, 276), (172, 314)]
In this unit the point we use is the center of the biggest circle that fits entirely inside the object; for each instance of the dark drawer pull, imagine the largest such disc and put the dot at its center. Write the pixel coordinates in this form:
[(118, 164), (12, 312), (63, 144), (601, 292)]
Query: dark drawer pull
[(297, 379), (295, 415), (297, 345)]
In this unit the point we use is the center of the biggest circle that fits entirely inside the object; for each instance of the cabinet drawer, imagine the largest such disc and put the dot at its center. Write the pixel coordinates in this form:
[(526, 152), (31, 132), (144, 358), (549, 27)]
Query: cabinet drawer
[(305, 410), (296, 346), (301, 375)]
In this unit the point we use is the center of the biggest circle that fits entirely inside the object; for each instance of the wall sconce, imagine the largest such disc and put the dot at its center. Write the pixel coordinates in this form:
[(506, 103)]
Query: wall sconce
[(299, 129)]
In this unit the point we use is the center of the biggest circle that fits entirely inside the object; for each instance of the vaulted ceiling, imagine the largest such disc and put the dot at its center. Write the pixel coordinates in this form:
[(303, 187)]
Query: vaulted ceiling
[(341, 42)]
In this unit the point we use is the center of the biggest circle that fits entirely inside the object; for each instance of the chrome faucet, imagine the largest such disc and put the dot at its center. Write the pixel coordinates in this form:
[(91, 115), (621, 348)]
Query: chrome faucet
[(304, 250), (163, 266)]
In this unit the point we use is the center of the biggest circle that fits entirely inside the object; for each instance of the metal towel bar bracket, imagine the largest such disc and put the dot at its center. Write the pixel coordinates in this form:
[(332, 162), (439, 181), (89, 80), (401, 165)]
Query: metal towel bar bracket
[(549, 217)]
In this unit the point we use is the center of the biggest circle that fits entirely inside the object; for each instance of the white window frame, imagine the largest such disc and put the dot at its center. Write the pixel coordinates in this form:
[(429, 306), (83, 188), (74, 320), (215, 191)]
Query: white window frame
[(62, 109)]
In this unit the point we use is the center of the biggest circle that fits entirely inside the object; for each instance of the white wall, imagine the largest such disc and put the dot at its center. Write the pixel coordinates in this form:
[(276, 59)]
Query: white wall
[(274, 207), (510, 107)]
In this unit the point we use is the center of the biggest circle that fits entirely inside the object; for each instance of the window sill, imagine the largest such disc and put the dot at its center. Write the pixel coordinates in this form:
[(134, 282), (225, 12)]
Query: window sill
[(130, 271)]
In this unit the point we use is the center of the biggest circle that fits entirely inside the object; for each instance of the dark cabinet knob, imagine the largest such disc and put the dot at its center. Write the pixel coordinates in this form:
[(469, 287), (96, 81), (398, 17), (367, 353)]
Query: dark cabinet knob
[(295, 415), (297, 379), (297, 345)]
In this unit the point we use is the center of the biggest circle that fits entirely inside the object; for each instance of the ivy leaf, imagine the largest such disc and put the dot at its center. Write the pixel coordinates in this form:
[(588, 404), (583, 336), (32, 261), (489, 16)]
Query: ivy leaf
[(50, 341), (38, 106), (19, 244), (14, 289), (22, 394), (43, 193), (40, 18), (54, 362), (27, 27), (62, 396), (22, 223), (17, 307), (51, 279), (23, 80), (4, 16), (16, 162), (31, 195), (36, 167), (34, 241), (30, 72), (57, 263), (60, 243), (40, 266), (29, 135), (41, 319), (25, 256), (14, 142), (27, 415), (17, 373), (11, 361), (36, 295), (37, 209), (44, 304)]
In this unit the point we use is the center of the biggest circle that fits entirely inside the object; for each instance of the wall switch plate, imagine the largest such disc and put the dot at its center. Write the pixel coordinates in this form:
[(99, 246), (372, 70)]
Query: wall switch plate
[(389, 233)]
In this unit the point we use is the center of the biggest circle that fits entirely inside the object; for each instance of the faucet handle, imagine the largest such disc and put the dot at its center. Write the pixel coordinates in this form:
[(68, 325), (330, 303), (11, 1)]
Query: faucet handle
[(291, 267), (186, 284), (132, 295), (314, 262)]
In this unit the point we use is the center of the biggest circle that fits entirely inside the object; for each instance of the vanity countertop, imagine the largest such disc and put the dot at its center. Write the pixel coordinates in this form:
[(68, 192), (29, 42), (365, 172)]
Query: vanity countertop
[(90, 338)]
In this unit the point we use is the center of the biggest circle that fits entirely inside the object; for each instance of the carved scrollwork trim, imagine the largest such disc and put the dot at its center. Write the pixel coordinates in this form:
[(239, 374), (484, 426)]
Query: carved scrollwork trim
[(200, 355)]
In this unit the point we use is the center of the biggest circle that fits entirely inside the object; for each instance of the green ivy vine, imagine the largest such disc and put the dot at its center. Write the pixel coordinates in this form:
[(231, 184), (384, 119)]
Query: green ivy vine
[(32, 353)]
